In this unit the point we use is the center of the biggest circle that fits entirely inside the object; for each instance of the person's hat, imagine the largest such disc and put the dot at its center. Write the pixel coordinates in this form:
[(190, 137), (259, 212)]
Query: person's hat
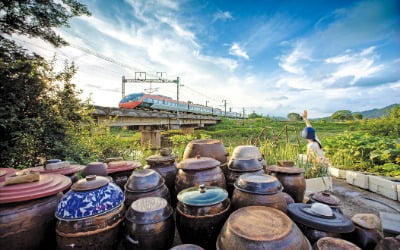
[(308, 133)]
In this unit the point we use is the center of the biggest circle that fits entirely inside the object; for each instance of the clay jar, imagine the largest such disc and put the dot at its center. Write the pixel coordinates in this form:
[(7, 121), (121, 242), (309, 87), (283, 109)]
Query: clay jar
[(200, 170), (237, 167), (292, 180), (366, 234), (121, 170), (259, 227), (200, 214), (207, 148), (27, 212), (248, 152), (258, 190), (95, 168), (165, 165), (326, 198), (90, 215), (149, 224), (329, 243), (145, 183), (318, 220)]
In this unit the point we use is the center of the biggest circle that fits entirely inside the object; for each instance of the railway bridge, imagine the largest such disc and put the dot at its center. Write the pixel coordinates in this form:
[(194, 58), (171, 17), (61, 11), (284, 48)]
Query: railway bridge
[(152, 122)]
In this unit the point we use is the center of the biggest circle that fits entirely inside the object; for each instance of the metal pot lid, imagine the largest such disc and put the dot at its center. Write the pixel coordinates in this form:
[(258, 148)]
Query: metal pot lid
[(202, 195), (90, 182), (84, 204), (303, 214), (326, 198), (244, 165), (198, 163), (71, 169), (260, 223), (329, 243), (258, 184), (121, 166), (149, 210), (144, 181), (246, 151), (286, 170), (154, 159), (368, 221), (48, 184)]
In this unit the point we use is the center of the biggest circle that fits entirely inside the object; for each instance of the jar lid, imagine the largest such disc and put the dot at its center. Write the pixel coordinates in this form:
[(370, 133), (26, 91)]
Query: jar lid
[(286, 170), (326, 198), (202, 195), (321, 217), (71, 169), (6, 172), (244, 165), (48, 184), (258, 184), (90, 182), (121, 166), (83, 204), (246, 151), (149, 210), (198, 163), (144, 181), (368, 221), (154, 159), (328, 243)]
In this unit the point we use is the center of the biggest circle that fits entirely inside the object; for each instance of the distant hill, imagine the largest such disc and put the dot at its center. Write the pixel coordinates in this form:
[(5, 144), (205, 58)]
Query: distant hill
[(375, 113)]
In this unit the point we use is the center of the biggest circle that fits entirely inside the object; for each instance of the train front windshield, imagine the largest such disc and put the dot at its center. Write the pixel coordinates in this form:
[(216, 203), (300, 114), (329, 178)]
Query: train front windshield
[(131, 98)]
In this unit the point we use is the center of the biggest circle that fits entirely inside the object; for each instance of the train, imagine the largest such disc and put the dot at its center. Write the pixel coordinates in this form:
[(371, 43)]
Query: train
[(160, 102)]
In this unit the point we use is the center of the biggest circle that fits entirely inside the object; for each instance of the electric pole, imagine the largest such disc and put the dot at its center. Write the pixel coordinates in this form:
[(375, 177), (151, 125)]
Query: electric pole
[(243, 110), (207, 103), (224, 101)]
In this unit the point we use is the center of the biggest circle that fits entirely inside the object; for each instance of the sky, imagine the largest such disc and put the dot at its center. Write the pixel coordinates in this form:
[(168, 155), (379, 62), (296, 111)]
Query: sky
[(271, 57)]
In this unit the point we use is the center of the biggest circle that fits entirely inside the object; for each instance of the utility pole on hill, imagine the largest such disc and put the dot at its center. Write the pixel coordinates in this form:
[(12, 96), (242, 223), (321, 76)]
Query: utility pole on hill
[(224, 101)]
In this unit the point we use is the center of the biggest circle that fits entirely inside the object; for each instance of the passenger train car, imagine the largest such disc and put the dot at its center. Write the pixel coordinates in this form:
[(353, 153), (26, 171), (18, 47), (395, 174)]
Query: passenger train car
[(159, 102)]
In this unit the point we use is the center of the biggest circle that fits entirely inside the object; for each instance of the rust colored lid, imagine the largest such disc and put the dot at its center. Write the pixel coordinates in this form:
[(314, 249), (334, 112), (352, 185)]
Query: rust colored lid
[(326, 198), (159, 159), (259, 223), (48, 184), (258, 184), (90, 182), (6, 172), (368, 221), (198, 163), (72, 169), (329, 243), (286, 170), (121, 166)]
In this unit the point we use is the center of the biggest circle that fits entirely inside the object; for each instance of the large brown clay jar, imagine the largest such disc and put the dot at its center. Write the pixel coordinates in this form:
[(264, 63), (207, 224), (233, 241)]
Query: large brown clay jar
[(292, 180), (207, 148), (200, 214), (258, 190), (239, 166), (200, 170), (149, 225)]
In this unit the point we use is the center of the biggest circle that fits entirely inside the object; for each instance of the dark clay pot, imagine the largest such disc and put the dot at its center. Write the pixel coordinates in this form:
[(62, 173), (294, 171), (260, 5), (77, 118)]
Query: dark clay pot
[(29, 225), (329, 243), (200, 215), (364, 238), (149, 225), (200, 170), (326, 198), (258, 190), (292, 180), (95, 168)]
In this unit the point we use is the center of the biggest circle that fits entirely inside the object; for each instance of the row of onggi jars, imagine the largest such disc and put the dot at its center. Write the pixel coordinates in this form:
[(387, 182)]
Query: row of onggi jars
[(254, 213)]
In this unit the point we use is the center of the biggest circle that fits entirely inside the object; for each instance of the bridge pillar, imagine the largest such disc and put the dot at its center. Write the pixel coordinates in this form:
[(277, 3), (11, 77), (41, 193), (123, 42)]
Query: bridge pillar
[(150, 137), (187, 130)]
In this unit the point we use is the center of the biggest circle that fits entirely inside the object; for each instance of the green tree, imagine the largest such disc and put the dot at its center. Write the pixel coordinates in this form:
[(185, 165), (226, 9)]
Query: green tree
[(294, 117), (342, 115), (358, 116), (254, 115), (385, 126)]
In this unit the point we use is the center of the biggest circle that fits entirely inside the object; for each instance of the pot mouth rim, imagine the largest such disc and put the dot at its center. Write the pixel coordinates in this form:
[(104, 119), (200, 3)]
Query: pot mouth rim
[(258, 192), (127, 189)]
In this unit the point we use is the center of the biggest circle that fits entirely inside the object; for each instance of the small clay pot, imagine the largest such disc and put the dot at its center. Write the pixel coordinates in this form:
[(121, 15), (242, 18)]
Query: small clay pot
[(95, 168)]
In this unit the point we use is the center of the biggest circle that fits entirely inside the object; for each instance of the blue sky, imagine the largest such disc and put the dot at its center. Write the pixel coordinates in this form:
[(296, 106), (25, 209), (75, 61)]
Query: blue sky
[(272, 57)]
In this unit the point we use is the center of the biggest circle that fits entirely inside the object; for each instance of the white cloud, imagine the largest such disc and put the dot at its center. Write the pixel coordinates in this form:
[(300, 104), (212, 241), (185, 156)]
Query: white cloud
[(222, 15), (296, 61), (236, 50)]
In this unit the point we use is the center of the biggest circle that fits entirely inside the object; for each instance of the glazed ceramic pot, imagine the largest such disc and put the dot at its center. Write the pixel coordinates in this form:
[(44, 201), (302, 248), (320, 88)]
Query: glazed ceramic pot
[(165, 165), (259, 227), (121, 170), (27, 212), (248, 152), (326, 198), (90, 215), (292, 180), (200, 170), (207, 148), (258, 190), (149, 224), (239, 166), (329, 243), (318, 220), (200, 214), (145, 183), (95, 168), (367, 233)]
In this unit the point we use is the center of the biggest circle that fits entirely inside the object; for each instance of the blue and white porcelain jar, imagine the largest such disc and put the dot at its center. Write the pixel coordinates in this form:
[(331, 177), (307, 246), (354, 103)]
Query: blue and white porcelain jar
[(94, 195)]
